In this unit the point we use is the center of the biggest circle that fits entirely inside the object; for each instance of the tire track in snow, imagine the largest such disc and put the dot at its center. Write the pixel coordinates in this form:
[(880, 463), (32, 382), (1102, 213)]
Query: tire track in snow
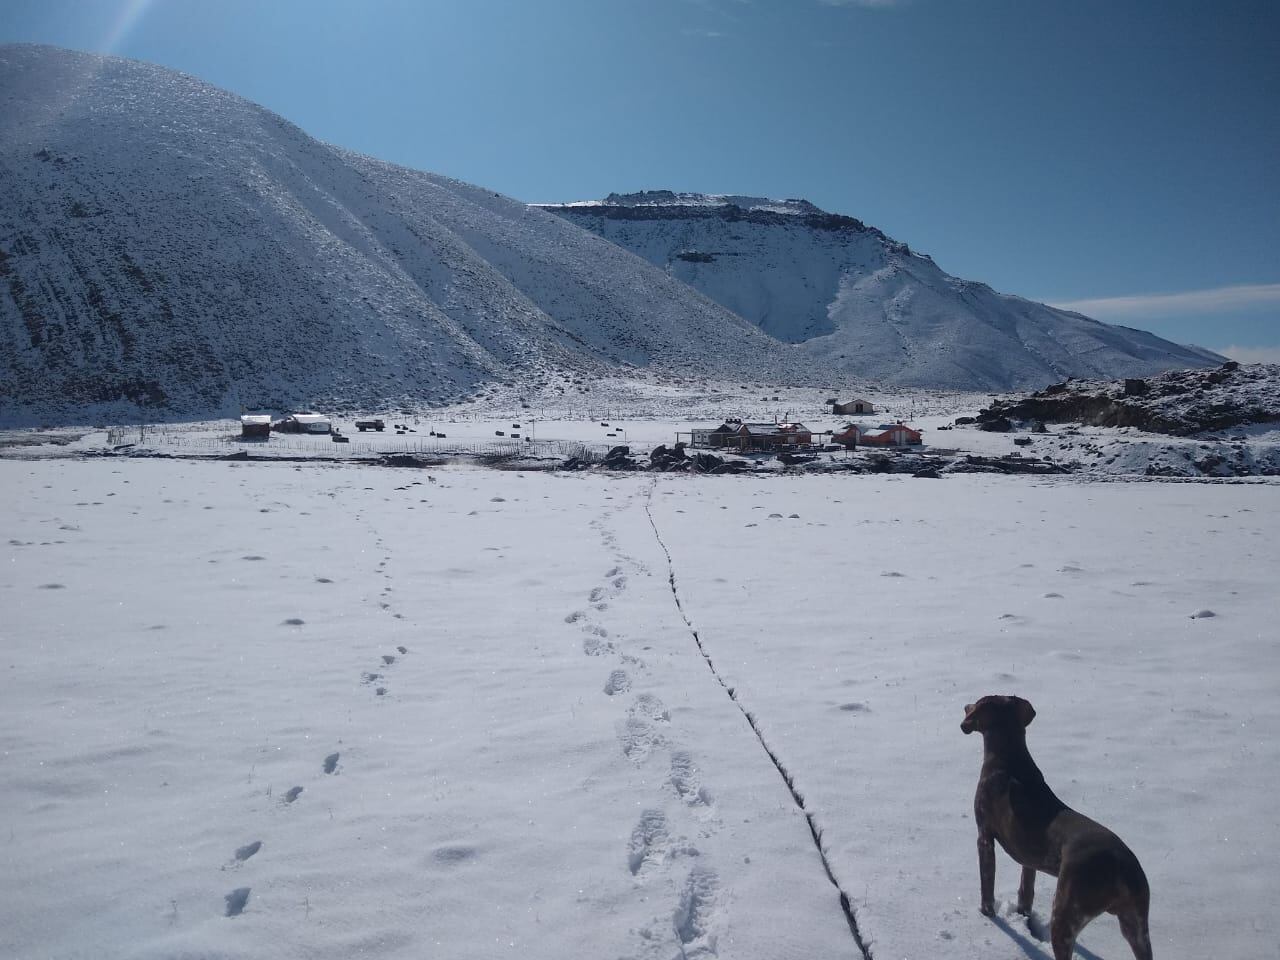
[(815, 829)]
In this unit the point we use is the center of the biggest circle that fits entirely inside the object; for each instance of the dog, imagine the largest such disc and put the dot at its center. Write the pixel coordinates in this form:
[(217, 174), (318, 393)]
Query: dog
[(1096, 872)]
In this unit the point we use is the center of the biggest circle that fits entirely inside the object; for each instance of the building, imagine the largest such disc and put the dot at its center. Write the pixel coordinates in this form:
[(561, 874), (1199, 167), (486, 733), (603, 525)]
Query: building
[(885, 435), (305, 423), (255, 426), (852, 406), (770, 436), (715, 437), (892, 435)]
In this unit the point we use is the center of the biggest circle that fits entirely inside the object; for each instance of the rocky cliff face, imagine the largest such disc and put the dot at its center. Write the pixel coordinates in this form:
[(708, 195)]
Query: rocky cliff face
[(845, 292)]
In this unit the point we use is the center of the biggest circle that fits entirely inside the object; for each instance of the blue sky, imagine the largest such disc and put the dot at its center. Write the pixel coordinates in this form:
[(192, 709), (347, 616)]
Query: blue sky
[(1119, 157)]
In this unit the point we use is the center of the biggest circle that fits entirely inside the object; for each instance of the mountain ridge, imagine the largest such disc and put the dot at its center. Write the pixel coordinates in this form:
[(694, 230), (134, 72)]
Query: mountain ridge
[(846, 291), (170, 249)]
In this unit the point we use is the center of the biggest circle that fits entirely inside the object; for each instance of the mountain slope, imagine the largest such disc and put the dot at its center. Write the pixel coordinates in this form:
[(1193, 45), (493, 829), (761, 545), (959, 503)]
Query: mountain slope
[(847, 292), (167, 248)]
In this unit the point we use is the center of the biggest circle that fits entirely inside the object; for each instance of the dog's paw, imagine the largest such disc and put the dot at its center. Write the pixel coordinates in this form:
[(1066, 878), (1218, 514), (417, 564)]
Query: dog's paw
[(987, 909)]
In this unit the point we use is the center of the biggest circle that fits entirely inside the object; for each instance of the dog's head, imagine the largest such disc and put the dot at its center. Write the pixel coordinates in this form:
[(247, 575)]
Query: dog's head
[(994, 712)]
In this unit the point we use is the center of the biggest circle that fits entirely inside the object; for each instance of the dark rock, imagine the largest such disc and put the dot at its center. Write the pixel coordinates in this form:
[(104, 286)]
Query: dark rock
[(996, 424), (1136, 388)]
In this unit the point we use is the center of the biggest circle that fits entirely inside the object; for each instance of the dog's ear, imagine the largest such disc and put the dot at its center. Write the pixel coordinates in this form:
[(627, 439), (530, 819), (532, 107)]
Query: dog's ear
[(1026, 712), (970, 721)]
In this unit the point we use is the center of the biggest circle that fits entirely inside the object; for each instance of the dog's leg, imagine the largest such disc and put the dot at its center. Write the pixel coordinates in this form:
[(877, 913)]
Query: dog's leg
[(1066, 922), (1133, 924), (1026, 890), (987, 873)]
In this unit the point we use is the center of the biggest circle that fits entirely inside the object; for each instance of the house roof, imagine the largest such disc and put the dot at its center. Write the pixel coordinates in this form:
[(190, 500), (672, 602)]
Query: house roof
[(259, 419), (773, 429), (309, 418)]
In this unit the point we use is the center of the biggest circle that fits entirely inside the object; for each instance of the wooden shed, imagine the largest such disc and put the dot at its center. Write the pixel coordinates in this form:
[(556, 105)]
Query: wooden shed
[(255, 426), (852, 407)]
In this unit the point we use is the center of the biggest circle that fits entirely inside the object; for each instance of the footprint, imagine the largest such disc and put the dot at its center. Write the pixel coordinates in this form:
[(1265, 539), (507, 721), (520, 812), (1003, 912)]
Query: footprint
[(248, 850), (593, 646), (236, 900), (331, 763), (620, 583), (575, 616), (596, 630), (403, 650), (388, 659), (687, 781), (639, 733), (638, 738), (648, 840), (618, 682), (292, 794), (596, 595), (367, 677), (381, 691), (694, 915), (649, 707)]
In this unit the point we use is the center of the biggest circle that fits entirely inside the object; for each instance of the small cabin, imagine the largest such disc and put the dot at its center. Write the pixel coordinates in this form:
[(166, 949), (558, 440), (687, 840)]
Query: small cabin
[(885, 435), (255, 426), (305, 423), (852, 406), (892, 435), (770, 436)]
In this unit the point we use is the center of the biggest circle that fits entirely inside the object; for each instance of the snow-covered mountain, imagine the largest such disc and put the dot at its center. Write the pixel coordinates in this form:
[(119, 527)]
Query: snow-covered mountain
[(168, 247), (846, 291)]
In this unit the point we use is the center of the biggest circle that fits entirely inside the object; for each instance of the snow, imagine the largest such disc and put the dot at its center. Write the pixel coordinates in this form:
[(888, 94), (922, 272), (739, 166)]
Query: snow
[(199, 761), (849, 294), (174, 250)]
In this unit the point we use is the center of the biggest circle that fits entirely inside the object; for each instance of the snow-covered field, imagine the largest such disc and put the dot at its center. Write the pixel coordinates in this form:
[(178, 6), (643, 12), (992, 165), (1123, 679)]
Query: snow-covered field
[(281, 710)]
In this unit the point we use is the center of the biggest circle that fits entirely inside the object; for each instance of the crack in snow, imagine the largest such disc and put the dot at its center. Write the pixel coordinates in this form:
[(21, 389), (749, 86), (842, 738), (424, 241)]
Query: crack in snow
[(815, 829)]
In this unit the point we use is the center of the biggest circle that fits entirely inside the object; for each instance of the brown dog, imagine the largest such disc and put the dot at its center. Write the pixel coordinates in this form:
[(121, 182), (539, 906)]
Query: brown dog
[(1096, 872)]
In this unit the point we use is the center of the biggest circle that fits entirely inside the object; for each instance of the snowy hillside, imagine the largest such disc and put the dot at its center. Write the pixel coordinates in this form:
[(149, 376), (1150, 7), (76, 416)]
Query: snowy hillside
[(170, 247), (847, 292)]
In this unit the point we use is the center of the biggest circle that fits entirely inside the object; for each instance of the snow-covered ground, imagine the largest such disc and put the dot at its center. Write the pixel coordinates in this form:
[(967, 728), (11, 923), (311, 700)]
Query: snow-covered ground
[(314, 710), (642, 413)]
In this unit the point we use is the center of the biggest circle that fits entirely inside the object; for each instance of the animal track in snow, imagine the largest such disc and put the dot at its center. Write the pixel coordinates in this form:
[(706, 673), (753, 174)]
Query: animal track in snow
[(575, 616), (236, 901), (402, 650), (648, 840), (368, 677), (292, 794), (248, 850), (618, 682), (388, 659), (331, 763), (596, 595), (594, 646)]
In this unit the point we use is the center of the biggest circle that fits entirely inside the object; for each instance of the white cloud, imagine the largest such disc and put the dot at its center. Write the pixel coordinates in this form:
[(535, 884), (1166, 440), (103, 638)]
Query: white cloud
[(1251, 354), (1217, 299)]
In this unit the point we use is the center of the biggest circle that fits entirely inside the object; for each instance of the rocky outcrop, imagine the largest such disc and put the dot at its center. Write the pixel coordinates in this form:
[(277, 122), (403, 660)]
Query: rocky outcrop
[(1179, 403)]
